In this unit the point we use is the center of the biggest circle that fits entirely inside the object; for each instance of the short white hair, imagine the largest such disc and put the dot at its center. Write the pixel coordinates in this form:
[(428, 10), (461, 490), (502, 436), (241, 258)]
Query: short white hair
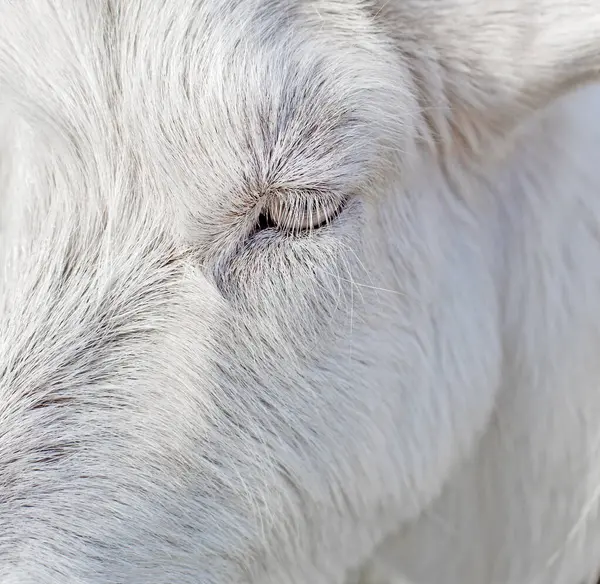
[(299, 291)]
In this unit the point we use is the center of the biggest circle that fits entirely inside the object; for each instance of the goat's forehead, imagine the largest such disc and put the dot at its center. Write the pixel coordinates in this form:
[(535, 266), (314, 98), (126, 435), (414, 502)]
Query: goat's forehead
[(200, 104)]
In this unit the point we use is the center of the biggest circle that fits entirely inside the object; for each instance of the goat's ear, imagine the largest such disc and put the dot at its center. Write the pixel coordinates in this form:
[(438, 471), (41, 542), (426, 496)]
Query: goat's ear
[(482, 66)]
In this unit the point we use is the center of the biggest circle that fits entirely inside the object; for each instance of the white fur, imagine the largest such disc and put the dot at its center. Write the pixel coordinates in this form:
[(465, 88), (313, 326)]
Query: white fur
[(408, 394)]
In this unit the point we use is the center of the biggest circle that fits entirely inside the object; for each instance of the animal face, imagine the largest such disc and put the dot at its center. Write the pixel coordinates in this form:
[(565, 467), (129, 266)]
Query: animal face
[(250, 314)]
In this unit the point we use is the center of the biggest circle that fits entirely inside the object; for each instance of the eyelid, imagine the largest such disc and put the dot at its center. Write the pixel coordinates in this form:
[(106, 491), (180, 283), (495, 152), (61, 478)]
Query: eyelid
[(303, 211)]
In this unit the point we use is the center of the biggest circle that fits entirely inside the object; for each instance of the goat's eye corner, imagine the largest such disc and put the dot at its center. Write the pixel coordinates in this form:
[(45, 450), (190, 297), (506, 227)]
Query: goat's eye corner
[(299, 213)]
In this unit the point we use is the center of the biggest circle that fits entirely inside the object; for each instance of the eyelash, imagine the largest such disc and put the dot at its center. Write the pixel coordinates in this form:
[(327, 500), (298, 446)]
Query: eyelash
[(300, 214)]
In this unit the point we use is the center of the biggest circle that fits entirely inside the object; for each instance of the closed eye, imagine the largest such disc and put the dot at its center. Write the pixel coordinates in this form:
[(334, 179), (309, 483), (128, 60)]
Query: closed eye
[(300, 212)]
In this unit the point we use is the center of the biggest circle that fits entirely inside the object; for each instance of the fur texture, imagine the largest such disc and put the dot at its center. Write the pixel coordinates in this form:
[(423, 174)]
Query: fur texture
[(201, 382)]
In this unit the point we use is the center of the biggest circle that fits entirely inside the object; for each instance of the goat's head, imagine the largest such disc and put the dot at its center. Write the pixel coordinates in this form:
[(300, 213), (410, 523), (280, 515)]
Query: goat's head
[(246, 327)]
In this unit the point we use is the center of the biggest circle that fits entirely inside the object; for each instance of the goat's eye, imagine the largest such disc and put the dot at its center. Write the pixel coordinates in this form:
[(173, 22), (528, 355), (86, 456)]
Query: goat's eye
[(300, 212)]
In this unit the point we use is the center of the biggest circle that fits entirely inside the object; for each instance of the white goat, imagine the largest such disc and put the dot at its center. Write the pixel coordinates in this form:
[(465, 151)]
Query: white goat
[(299, 291)]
